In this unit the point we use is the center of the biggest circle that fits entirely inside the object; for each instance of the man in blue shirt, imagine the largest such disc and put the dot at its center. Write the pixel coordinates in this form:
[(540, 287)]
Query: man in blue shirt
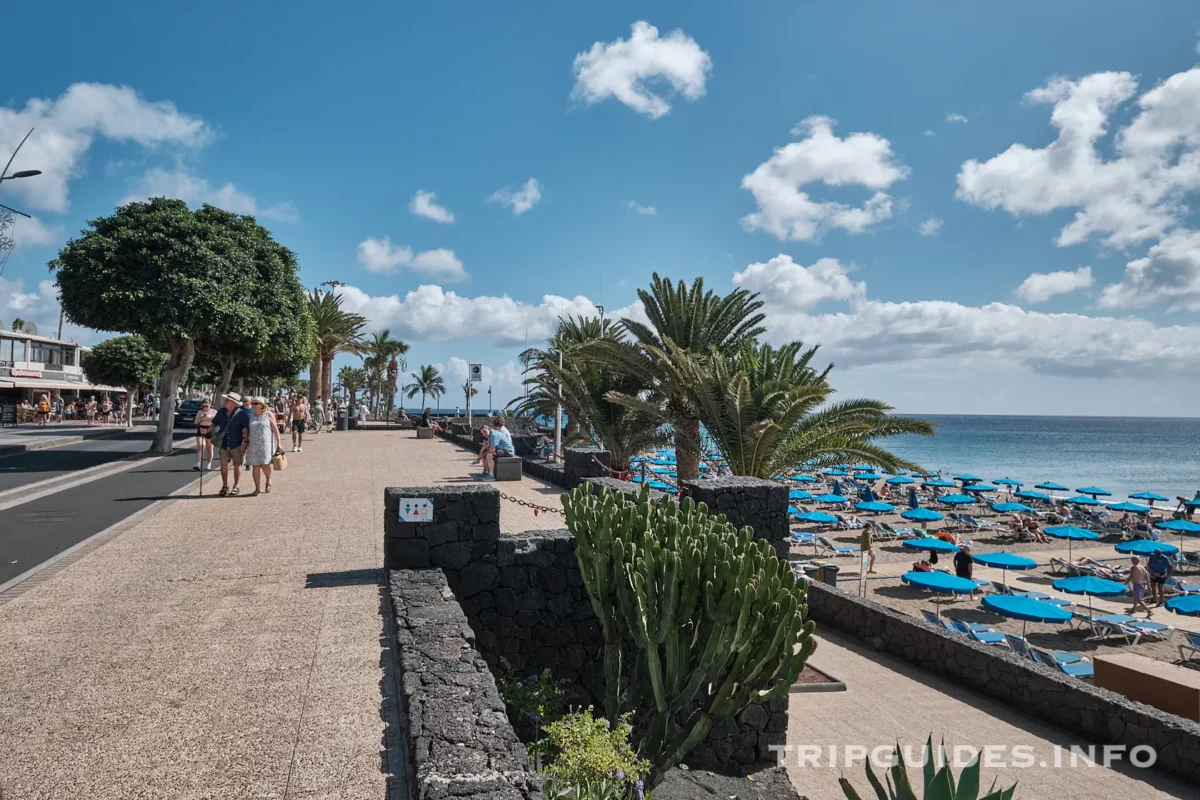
[(233, 426), (500, 443), (1160, 569)]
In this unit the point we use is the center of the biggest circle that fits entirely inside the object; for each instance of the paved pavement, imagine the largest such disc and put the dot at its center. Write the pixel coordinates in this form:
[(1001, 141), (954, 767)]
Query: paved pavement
[(887, 701), (222, 647)]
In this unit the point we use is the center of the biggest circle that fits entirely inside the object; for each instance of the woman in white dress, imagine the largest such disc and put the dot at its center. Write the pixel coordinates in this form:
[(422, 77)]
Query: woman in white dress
[(263, 444)]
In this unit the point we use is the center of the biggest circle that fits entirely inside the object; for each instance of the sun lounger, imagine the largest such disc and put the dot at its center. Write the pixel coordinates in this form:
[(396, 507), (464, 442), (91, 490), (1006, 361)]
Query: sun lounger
[(1107, 630), (1176, 586), (1189, 559), (1153, 630), (1021, 647), (1190, 647), (834, 549), (986, 636), (1083, 669)]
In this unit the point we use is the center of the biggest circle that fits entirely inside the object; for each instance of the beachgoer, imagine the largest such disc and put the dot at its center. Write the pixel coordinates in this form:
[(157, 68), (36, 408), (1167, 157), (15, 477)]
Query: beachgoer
[(866, 544), (485, 432), (428, 421), (1160, 569), (204, 422), (299, 423), (1138, 578), (964, 565), (263, 443), (232, 426), (501, 445)]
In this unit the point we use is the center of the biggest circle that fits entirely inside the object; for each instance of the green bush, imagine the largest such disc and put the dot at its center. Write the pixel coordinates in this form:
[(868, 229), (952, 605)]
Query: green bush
[(532, 701), (698, 617), (938, 781), (586, 753)]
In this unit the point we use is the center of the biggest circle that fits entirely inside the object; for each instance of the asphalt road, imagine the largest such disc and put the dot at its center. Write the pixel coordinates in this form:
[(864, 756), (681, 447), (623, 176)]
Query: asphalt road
[(38, 465), (33, 532)]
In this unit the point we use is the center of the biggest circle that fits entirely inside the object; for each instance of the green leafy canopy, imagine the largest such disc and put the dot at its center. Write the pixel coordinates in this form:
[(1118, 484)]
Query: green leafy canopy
[(124, 361)]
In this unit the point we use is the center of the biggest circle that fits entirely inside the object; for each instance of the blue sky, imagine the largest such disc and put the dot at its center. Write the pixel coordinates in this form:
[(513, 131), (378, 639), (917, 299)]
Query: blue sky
[(891, 230)]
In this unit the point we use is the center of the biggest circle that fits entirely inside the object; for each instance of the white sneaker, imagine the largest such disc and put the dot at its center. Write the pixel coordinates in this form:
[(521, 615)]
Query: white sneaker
[(294, 448), (210, 465), (299, 449), (197, 465)]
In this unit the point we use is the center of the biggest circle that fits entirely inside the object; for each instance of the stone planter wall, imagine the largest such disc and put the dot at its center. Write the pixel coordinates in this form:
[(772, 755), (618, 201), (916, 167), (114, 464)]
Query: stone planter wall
[(1095, 714), (761, 504), (458, 738), (580, 463)]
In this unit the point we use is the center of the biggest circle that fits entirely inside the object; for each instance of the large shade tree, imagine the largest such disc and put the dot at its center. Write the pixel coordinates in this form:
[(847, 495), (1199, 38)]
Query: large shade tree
[(180, 278), (128, 361)]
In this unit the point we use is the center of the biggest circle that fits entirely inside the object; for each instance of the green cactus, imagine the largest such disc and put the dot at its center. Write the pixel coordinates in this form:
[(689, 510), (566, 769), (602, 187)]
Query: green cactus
[(938, 781), (711, 617)]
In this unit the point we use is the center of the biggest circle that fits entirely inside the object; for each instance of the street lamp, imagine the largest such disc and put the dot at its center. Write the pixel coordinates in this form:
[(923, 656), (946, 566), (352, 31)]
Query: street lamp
[(489, 399), (25, 173)]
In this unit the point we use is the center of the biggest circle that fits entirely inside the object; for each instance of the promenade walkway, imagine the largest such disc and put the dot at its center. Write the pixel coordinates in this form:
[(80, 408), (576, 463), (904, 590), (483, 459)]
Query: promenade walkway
[(222, 647)]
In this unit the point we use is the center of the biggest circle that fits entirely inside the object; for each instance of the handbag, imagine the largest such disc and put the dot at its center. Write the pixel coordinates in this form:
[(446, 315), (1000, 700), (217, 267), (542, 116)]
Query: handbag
[(279, 461)]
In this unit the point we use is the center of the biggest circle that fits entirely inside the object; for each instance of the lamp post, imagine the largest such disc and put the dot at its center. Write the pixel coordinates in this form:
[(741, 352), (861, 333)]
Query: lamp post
[(6, 214), (489, 401)]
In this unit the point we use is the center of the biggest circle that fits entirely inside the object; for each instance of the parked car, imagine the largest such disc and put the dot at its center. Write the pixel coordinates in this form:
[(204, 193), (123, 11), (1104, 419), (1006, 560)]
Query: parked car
[(185, 415)]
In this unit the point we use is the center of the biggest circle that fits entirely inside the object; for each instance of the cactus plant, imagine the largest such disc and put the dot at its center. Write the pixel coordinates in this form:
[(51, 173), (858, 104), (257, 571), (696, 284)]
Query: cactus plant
[(938, 782), (698, 616)]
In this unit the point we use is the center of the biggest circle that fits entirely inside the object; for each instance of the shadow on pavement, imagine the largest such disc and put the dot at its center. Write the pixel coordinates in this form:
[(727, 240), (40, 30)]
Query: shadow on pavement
[(350, 577)]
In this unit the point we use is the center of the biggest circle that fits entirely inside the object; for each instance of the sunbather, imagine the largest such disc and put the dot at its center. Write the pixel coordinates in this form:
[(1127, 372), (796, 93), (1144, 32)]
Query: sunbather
[(1100, 568), (1035, 530)]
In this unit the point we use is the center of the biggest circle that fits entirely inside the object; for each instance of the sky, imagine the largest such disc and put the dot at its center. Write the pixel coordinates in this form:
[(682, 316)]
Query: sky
[(971, 208)]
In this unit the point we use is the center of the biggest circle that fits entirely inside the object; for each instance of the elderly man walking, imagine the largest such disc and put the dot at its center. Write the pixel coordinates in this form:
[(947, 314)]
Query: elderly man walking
[(231, 430)]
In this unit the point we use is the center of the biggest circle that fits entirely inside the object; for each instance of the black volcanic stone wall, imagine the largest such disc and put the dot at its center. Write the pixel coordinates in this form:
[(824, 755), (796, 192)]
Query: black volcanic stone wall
[(523, 597), (549, 471), (627, 489), (459, 740), (1097, 715), (761, 504), (585, 462)]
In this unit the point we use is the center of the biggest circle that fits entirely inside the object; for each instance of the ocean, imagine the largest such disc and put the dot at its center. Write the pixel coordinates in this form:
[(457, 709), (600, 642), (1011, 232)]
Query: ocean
[(1120, 454)]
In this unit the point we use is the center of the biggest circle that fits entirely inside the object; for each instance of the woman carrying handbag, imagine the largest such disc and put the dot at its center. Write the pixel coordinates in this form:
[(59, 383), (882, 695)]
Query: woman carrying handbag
[(263, 443)]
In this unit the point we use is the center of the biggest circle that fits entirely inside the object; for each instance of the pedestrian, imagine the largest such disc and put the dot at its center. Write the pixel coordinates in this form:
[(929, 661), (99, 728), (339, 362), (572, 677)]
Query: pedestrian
[(43, 411), (231, 429), (91, 410), (866, 544), (964, 565), (1137, 580), (263, 443), (58, 408), (281, 405), (299, 415), (157, 407), (1161, 568), (204, 423)]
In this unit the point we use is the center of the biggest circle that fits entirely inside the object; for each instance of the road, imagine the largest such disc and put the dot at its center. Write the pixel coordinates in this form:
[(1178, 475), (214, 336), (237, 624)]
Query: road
[(37, 530)]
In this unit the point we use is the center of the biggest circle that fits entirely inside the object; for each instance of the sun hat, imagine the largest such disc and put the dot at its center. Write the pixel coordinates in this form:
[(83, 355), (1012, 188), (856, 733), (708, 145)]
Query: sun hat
[(234, 396)]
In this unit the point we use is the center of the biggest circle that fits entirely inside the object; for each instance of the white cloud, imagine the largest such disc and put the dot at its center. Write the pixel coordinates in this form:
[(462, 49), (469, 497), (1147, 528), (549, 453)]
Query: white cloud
[(505, 383), (930, 333), (32, 232), (1169, 274), (954, 116), (860, 159), (430, 313), (380, 255), (930, 227), (1041, 286), (1137, 195), (181, 184), (40, 307), (522, 199), (799, 287), (928, 133), (644, 210), (65, 129), (625, 69), (424, 204)]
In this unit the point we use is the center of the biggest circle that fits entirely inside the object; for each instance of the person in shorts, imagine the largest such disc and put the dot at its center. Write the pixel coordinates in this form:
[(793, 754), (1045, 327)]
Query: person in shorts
[(866, 544), (299, 415), (1138, 578), (1160, 569), (233, 424), (501, 444), (204, 423)]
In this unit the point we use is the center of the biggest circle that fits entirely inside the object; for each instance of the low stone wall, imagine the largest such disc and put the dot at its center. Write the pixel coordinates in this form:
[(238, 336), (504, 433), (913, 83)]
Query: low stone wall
[(523, 596), (458, 737), (580, 463), (761, 504), (1095, 714)]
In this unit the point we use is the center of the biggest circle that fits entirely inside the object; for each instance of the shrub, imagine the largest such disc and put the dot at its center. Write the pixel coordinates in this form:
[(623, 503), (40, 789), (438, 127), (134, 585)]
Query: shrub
[(938, 783), (586, 753), (532, 702)]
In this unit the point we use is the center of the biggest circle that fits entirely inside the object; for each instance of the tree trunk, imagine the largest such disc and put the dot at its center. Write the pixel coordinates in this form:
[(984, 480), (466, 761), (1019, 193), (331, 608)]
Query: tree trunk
[(182, 351), (687, 453), (327, 377), (314, 381), (226, 379), (129, 390)]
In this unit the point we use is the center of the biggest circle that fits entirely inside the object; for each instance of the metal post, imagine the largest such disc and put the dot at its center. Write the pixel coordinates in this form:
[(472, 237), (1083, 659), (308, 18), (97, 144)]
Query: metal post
[(558, 414), (470, 386)]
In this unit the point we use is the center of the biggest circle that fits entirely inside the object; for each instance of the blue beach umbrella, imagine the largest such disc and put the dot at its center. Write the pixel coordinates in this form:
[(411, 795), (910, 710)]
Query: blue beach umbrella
[(1028, 495), (1025, 609), (868, 476), (1072, 534), (817, 516), (967, 478), (1007, 482), (829, 498), (1091, 586), (1011, 508), (836, 488), (978, 487), (900, 479), (939, 583), (930, 543), (662, 486), (1151, 496), (866, 494), (876, 506), (797, 494), (1004, 562), (941, 484), (921, 515), (804, 479), (835, 472), (1135, 508), (1188, 605), (1144, 547), (1180, 526), (1051, 486), (1083, 500), (956, 499), (912, 498), (1094, 491)]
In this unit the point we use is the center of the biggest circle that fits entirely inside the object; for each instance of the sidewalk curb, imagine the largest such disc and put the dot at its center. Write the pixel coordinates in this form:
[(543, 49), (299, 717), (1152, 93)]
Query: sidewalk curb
[(17, 586), (45, 444)]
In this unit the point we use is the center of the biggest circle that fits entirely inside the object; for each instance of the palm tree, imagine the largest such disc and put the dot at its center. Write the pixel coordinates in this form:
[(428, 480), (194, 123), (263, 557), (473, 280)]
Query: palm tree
[(426, 382), (683, 319), (469, 391), (352, 379), (337, 331), (767, 410), (391, 353)]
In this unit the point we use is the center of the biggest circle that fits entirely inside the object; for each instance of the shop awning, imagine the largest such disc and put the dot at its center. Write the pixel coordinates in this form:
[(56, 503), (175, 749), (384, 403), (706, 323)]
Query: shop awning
[(46, 383)]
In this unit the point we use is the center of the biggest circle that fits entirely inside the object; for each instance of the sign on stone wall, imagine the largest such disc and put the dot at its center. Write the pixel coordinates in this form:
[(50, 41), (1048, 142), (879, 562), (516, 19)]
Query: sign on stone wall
[(416, 509)]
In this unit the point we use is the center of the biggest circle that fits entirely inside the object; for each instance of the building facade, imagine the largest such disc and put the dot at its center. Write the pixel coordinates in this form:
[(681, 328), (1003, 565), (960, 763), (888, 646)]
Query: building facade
[(31, 365)]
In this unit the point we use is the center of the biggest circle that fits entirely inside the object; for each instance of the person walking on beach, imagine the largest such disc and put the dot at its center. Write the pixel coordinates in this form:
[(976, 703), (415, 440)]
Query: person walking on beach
[(866, 544), (231, 430), (299, 423), (1161, 568), (1137, 580), (964, 565), (263, 443), (204, 423)]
